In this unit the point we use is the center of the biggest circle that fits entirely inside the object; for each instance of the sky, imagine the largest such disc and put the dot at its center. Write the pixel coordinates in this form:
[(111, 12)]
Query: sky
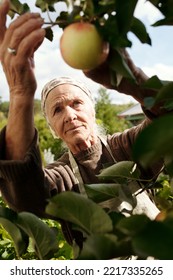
[(153, 60)]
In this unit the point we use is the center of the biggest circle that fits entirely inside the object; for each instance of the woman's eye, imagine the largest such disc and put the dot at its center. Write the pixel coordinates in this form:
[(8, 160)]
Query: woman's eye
[(57, 110), (76, 103)]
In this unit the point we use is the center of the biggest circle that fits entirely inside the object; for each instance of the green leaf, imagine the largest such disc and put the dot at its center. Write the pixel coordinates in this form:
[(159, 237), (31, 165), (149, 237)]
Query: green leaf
[(139, 29), (156, 141), (168, 105), (165, 93), (165, 21), (155, 240), (168, 161), (111, 195), (107, 2), (43, 237), (80, 211), (46, 5), (8, 220), (153, 83), (49, 34), (123, 170), (89, 8), (25, 8), (104, 247), (74, 15), (118, 64), (124, 13), (109, 30), (132, 225), (101, 192), (17, 8), (115, 217), (98, 247)]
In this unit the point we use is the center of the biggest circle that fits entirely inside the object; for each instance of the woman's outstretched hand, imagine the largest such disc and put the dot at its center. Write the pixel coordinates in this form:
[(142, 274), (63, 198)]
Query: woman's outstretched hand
[(18, 43)]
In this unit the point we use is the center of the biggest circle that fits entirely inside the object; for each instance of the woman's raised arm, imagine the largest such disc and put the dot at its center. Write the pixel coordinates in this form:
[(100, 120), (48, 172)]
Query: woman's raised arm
[(18, 43)]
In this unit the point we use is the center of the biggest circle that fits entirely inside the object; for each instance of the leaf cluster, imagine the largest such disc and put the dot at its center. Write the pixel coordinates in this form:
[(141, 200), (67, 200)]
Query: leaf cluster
[(114, 20), (156, 140), (108, 234)]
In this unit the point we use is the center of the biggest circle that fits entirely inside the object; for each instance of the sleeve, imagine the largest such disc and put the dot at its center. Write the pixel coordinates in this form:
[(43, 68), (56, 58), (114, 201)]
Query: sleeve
[(26, 186), (22, 182)]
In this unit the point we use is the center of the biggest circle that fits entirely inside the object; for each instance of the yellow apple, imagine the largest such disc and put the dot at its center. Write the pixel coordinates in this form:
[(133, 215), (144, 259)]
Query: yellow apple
[(82, 47)]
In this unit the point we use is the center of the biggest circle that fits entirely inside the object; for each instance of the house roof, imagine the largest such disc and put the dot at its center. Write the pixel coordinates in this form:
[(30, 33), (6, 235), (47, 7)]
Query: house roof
[(134, 110)]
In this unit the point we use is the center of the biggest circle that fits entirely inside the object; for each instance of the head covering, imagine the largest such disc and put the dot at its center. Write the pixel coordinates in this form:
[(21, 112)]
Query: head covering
[(60, 81)]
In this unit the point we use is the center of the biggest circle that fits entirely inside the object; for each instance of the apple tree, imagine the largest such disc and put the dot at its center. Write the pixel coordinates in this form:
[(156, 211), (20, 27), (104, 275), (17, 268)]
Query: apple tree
[(111, 235)]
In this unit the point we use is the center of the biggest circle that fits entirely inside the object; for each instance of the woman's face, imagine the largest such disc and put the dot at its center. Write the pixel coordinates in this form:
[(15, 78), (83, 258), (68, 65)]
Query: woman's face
[(71, 115)]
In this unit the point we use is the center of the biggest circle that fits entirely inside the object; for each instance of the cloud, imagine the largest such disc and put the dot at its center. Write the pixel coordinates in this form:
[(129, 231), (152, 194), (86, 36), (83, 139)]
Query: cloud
[(164, 72)]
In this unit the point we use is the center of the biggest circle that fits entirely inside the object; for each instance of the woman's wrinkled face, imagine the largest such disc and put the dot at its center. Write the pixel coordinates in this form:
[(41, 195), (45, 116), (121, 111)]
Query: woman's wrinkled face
[(70, 114)]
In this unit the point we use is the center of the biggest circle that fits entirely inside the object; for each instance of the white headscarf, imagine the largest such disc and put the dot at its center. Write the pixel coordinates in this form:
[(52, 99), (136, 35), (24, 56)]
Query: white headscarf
[(60, 81)]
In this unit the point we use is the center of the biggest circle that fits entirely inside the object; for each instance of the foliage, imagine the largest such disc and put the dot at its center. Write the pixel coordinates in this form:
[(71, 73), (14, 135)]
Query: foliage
[(106, 113), (4, 106), (114, 20), (106, 234), (111, 235), (164, 192), (46, 139), (20, 237)]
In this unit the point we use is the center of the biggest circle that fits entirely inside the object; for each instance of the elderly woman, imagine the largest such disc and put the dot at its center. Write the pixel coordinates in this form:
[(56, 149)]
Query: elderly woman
[(68, 107)]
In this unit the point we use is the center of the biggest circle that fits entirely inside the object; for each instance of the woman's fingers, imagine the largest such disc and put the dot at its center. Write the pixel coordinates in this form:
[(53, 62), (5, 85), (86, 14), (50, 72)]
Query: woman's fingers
[(4, 8), (18, 44), (29, 45), (20, 29)]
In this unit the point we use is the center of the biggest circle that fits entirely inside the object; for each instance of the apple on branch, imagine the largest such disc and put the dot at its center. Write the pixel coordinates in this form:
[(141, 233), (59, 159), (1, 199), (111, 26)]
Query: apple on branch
[(82, 47)]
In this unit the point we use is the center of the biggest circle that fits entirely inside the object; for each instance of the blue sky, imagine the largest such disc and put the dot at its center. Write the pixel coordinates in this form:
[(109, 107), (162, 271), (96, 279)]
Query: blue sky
[(154, 60)]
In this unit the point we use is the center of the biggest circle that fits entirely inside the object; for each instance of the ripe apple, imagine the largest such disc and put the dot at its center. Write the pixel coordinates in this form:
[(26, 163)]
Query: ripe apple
[(165, 214), (82, 47), (161, 216)]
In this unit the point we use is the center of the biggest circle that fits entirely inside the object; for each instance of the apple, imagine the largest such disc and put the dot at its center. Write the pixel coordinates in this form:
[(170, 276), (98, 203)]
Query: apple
[(165, 215), (82, 47), (161, 216)]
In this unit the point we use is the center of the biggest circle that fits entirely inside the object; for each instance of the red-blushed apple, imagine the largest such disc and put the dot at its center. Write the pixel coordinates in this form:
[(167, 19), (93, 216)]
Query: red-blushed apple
[(82, 47)]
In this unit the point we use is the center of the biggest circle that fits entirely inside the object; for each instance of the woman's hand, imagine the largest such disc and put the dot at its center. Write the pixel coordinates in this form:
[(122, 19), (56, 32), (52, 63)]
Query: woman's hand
[(18, 43), (23, 36)]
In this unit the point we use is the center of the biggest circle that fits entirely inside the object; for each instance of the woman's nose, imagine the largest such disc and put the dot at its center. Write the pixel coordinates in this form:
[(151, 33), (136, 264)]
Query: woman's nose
[(70, 114)]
